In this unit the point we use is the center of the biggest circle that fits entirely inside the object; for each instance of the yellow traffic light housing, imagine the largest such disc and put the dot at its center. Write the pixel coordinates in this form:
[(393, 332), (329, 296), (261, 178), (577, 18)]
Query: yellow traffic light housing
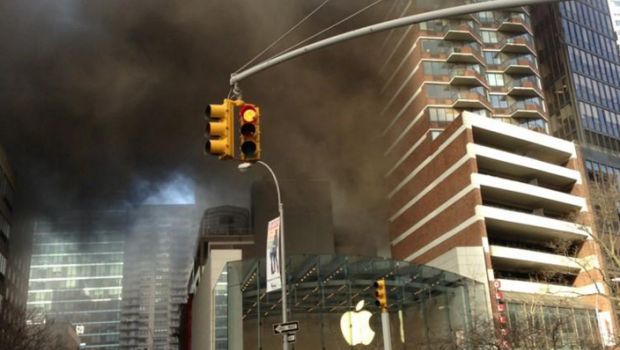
[(381, 294), (220, 129), (249, 132)]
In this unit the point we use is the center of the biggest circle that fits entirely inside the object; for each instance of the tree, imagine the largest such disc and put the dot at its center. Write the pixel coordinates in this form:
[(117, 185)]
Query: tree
[(17, 335), (534, 329), (604, 196)]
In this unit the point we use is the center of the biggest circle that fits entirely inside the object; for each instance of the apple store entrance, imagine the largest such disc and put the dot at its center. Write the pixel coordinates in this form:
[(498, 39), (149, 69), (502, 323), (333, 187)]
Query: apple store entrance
[(332, 298)]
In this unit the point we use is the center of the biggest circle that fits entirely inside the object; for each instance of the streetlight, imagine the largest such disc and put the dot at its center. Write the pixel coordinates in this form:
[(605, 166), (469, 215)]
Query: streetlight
[(244, 167)]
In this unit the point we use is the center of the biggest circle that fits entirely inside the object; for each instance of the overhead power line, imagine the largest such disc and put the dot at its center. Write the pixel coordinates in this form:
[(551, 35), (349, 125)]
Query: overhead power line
[(326, 29), (275, 42)]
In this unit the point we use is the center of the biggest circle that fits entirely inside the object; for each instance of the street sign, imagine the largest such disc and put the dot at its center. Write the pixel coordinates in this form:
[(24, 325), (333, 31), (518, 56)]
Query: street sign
[(288, 327), (290, 337)]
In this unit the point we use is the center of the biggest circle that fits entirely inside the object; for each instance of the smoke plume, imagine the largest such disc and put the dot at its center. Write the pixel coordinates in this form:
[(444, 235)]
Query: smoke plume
[(99, 98)]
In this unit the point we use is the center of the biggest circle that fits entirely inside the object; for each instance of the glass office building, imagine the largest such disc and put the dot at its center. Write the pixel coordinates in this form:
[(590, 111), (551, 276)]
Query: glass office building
[(13, 269), (76, 274), (581, 78), (158, 260)]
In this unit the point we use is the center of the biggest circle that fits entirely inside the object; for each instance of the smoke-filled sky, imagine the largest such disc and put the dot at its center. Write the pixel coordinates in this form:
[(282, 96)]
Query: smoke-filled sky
[(101, 101)]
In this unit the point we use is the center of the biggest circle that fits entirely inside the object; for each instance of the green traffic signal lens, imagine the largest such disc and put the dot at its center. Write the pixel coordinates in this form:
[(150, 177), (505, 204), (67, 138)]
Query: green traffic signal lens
[(248, 148)]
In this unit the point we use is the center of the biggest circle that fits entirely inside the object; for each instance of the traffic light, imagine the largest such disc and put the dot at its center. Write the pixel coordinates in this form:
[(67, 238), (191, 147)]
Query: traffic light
[(381, 294), (220, 129), (249, 121)]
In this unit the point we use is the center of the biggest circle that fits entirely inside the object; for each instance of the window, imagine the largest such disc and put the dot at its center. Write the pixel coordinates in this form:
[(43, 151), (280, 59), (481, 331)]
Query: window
[(489, 37), (438, 91), (436, 26), (492, 57), (441, 117), (499, 101), (495, 79), (435, 68), (486, 16)]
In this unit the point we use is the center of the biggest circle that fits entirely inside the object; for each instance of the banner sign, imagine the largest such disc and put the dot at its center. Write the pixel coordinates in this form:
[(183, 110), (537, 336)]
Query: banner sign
[(274, 280)]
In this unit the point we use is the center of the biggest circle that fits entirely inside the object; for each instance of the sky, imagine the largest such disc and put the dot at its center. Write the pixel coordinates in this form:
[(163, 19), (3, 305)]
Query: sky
[(101, 102)]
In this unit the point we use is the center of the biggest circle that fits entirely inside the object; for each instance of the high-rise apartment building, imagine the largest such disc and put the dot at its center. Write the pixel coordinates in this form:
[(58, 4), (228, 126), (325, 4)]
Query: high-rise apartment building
[(580, 68), (13, 267), (158, 261), (477, 186), (614, 8), (76, 274)]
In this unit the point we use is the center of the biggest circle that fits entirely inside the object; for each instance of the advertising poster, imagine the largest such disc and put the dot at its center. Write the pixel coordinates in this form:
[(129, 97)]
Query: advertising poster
[(272, 260)]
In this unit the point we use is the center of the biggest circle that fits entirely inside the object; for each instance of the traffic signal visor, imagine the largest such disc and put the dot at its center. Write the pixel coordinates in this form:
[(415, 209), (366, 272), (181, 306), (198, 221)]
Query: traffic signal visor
[(219, 129)]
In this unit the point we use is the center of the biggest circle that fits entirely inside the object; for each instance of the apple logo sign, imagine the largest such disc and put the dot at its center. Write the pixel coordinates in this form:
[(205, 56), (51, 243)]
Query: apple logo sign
[(355, 326)]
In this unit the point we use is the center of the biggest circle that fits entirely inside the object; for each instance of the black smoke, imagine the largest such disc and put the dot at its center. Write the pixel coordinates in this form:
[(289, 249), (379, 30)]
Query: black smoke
[(96, 95)]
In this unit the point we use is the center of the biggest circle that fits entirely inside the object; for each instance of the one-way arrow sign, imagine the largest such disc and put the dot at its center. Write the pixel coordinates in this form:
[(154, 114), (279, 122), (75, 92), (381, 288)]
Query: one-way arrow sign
[(288, 327)]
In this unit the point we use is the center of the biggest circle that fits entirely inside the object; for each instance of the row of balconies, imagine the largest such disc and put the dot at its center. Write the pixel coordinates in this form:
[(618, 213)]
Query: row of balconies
[(472, 52), (476, 98), (468, 28), (529, 206), (469, 75)]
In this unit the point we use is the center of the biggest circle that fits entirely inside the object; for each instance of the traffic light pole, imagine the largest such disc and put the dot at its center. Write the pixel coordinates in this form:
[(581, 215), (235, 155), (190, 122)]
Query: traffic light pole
[(491, 5), (385, 325), (282, 247)]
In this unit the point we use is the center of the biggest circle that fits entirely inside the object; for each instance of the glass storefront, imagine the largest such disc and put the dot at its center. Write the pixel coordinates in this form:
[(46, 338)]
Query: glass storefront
[(537, 326), (332, 297)]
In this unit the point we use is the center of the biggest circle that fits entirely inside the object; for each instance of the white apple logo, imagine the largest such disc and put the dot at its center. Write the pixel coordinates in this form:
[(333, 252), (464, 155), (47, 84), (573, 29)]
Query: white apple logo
[(355, 326)]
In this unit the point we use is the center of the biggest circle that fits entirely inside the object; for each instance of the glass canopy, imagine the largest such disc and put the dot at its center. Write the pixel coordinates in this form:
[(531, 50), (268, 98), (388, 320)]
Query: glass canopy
[(332, 297)]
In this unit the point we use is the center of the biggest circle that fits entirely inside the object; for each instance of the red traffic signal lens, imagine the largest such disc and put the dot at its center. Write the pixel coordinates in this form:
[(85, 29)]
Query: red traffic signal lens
[(248, 113)]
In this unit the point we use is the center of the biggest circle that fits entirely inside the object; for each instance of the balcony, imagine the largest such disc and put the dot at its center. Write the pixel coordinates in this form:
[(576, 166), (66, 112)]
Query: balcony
[(461, 30), (528, 87), (527, 109), (518, 226), (514, 23), (499, 135), (527, 196), (523, 167), (522, 44), (508, 258), (465, 54), (466, 75), (470, 99), (508, 285), (522, 65)]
